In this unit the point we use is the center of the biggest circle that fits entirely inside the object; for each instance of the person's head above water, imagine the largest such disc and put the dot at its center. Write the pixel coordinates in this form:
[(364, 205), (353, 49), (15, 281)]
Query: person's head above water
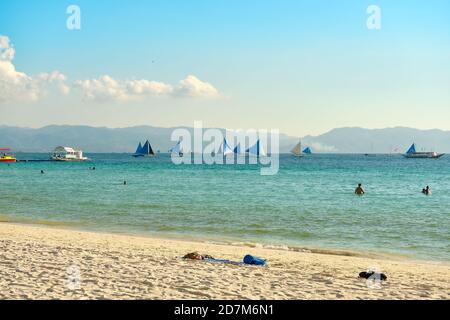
[(359, 184)]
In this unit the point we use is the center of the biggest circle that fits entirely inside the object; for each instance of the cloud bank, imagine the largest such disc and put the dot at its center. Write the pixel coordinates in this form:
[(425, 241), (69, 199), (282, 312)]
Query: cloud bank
[(107, 88), (18, 86)]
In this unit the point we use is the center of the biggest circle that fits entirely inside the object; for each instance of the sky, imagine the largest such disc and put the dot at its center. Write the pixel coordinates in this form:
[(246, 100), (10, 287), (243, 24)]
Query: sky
[(303, 67)]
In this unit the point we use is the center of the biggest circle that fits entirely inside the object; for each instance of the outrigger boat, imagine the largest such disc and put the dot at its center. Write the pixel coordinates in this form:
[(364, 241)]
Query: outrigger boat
[(297, 149), (5, 156), (412, 153), (144, 151)]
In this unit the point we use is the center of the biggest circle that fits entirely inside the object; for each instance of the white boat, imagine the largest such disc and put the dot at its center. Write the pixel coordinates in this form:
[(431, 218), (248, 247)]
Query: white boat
[(67, 154), (297, 149), (178, 149), (412, 153)]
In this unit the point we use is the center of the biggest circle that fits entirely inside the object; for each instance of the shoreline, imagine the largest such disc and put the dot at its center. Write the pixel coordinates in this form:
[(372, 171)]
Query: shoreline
[(370, 254), (37, 262)]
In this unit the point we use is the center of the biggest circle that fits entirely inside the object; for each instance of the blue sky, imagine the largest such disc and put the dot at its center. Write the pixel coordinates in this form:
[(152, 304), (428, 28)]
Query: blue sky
[(301, 66)]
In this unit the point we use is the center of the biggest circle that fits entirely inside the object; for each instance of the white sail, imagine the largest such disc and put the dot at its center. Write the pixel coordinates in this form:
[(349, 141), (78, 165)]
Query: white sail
[(256, 150), (178, 148), (226, 148), (297, 150), (262, 152)]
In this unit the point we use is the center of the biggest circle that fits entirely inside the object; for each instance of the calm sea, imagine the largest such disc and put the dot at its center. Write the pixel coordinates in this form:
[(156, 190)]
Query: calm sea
[(310, 203)]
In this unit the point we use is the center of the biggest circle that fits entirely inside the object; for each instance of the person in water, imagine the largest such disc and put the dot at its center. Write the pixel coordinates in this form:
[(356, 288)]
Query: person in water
[(359, 189), (426, 191)]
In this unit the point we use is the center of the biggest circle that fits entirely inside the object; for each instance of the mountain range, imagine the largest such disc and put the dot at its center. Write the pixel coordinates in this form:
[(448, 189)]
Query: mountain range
[(104, 140)]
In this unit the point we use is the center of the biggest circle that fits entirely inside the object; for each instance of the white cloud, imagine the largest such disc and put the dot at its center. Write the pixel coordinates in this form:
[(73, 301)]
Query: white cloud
[(56, 78), (194, 87), (107, 88), (18, 86), (148, 87), (104, 88), (6, 51), (320, 147)]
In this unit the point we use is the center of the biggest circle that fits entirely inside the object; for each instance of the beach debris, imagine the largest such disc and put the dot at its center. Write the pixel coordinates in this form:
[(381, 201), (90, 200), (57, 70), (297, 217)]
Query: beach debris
[(197, 256), (249, 259), (373, 275)]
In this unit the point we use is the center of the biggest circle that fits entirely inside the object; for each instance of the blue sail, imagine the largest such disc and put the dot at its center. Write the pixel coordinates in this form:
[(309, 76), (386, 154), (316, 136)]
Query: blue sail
[(139, 149), (237, 149), (147, 149), (411, 149), (255, 149), (307, 150)]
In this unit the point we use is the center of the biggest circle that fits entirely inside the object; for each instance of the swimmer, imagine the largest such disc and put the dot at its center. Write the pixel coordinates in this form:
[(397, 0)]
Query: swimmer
[(359, 189), (426, 191)]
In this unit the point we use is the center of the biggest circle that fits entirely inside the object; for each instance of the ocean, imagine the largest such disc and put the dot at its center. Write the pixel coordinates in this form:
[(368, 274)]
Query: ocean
[(310, 203)]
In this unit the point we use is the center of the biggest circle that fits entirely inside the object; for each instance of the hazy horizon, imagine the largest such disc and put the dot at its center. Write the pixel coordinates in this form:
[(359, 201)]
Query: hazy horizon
[(337, 140), (230, 128)]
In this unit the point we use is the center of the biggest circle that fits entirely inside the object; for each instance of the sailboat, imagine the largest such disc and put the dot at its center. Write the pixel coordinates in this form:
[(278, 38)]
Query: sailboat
[(297, 149), (226, 149), (256, 150), (178, 148), (237, 149), (412, 153), (144, 151), (307, 150)]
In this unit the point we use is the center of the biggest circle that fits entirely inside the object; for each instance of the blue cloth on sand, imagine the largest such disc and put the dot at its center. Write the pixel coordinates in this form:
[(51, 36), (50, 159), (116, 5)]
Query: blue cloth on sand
[(249, 259)]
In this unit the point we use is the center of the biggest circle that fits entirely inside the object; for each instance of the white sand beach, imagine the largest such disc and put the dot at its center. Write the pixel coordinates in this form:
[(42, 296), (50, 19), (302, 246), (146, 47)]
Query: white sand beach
[(47, 263)]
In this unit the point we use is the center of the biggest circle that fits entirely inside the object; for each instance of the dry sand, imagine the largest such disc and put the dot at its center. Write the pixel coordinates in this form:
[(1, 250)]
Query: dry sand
[(49, 263)]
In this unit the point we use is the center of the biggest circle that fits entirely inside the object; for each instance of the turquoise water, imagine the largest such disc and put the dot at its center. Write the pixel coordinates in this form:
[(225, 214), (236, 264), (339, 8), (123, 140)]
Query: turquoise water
[(309, 203)]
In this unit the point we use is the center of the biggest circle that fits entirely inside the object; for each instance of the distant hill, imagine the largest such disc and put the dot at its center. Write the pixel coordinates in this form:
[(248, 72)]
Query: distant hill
[(102, 139), (388, 140)]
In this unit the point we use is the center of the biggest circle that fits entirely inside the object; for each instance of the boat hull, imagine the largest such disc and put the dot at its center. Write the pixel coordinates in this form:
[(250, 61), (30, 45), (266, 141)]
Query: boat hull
[(9, 160), (68, 160), (142, 155), (423, 156)]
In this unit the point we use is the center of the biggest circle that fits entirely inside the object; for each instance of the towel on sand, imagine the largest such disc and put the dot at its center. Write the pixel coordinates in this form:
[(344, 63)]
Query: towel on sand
[(248, 259)]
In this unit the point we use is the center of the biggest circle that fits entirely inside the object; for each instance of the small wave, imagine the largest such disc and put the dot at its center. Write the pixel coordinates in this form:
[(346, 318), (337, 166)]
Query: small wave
[(52, 223), (326, 251)]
